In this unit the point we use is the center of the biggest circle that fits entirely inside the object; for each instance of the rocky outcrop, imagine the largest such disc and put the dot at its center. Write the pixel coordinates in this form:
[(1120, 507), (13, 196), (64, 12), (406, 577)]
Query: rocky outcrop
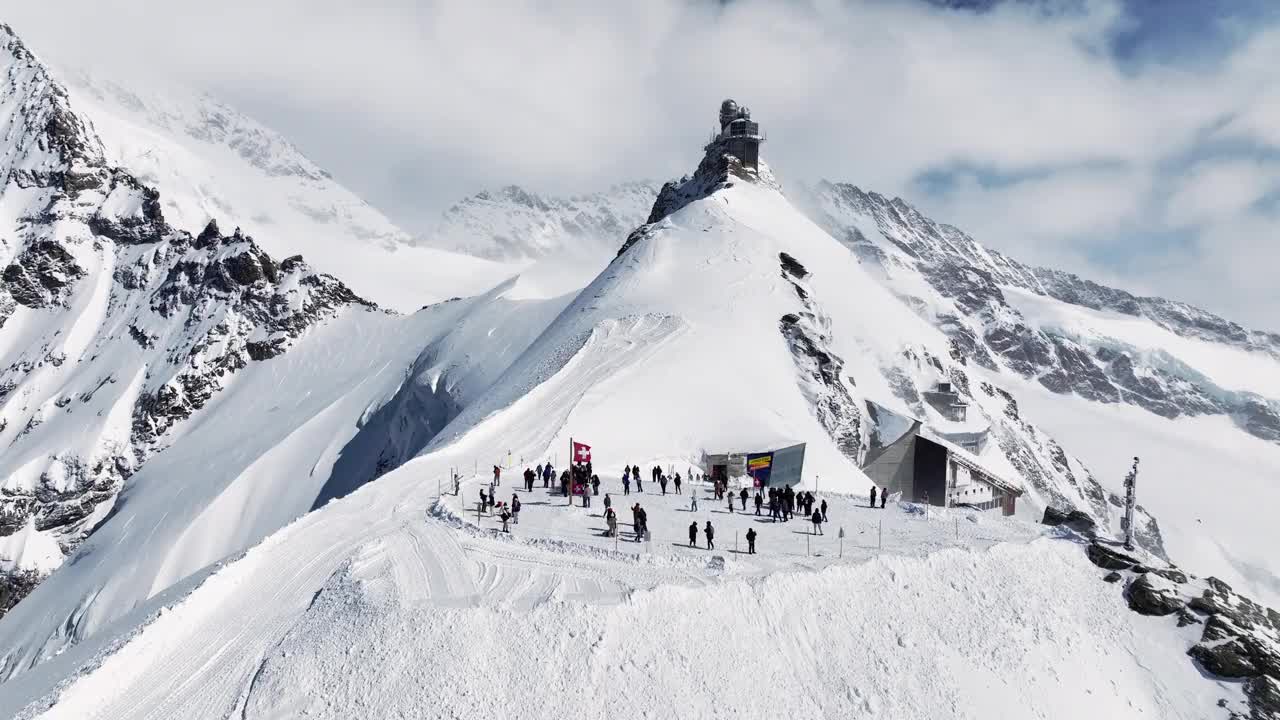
[(1078, 520), (167, 318), (822, 375), (1240, 639), (990, 332), (717, 170)]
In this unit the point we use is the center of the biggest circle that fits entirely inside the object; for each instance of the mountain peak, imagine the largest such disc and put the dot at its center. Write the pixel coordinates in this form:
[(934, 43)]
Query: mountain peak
[(732, 155)]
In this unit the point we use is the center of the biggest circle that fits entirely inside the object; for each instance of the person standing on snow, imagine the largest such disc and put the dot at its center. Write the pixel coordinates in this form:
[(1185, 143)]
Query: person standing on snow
[(497, 473), (693, 534), (662, 483), (676, 480), (710, 532), (884, 498), (608, 502), (817, 523), (636, 476), (528, 480), (730, 496), (586, 496), (873, 496), (515, 509), (505, 517), (743, 496), (751, 540), (759, 502), (773, 507), (626, 484), (484, 500), (595, 484), (824, 510), (611, 518), (693, 500)]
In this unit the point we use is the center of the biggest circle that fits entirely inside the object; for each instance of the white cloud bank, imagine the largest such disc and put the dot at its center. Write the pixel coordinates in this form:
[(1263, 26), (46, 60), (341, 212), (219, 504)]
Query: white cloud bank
[(417, 103)]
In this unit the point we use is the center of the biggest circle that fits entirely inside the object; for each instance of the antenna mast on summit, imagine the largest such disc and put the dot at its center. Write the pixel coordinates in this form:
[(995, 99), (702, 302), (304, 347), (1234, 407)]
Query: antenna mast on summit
[(1130, 503)]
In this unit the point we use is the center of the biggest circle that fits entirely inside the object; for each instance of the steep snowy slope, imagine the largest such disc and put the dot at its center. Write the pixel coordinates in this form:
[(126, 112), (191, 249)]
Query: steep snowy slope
[(1108, 374), (384, 603), (124, 339), (209, 161), (707, 332)]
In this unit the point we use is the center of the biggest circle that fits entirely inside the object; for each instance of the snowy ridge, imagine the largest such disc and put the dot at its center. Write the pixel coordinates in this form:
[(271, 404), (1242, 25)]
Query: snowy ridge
[(210, 162), (116, 327), (1108, 374), (1167, 357), (514, 225)]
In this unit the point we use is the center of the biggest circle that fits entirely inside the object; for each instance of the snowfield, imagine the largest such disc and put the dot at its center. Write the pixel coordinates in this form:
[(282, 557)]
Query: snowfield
[(408, 615)]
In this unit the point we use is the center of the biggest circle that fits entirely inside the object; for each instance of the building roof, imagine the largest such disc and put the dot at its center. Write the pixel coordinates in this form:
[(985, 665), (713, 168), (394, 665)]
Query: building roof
[(969, 460)]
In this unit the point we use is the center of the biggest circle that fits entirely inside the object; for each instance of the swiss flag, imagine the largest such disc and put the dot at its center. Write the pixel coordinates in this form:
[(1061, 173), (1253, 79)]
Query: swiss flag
[(581, 453)]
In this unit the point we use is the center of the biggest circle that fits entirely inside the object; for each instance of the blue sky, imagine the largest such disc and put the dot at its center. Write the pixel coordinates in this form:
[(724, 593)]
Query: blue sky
[(1133, 141)]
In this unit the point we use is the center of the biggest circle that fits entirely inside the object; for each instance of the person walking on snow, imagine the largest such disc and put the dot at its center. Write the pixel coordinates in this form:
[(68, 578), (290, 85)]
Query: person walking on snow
[(693, 534), (873, 496), (595, 484), (528, 480), (484, 500), (743, 496), (730, 496), (823, 507), (636, 476), (608, 502), (626, 483), (693, 500), (759, 502), (773, 507), (611, 518), (662, 483), (515, 509), (817, 523), (586, 497), (884, 498), (676, 480), (497, 473), (505, 517), (710, 532), (751, 540)]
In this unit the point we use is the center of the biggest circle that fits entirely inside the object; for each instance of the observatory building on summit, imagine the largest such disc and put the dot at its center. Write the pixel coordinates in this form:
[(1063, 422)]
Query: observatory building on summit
[(739, 136)]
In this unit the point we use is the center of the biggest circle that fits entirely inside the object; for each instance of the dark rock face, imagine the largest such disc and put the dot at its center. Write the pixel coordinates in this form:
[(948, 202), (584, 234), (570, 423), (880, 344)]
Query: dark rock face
[(1109, 559), (1152, 597), (1077, 520), (821, 370), (717, 170), (990, 331), (42, 275)]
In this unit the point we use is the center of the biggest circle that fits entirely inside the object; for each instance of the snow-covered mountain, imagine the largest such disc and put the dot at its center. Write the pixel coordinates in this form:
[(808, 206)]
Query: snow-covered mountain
[(730, 319), (211, 162), (181, 410), (514, 225), (1108, 374)]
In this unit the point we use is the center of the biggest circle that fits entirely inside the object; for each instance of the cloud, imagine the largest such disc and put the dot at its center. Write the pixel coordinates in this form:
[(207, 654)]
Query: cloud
[(414, 103)]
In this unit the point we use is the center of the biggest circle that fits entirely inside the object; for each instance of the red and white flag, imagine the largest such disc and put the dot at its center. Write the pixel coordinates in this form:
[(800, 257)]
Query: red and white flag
[(581, 453)]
